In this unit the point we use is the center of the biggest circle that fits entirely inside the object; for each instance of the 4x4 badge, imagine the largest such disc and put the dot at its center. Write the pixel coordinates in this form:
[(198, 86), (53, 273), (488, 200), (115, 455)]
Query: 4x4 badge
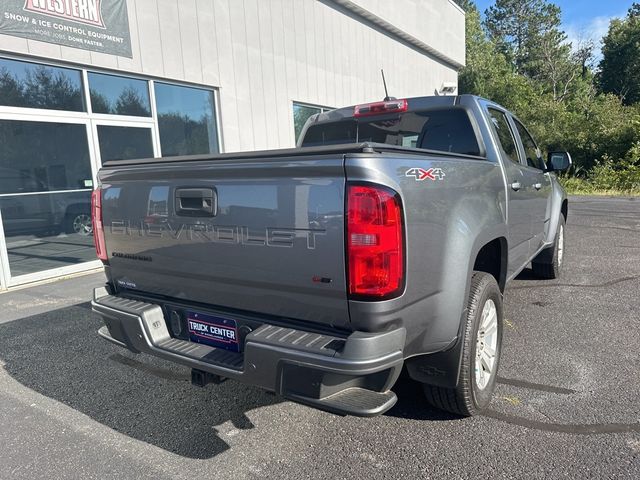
[(420, 174)]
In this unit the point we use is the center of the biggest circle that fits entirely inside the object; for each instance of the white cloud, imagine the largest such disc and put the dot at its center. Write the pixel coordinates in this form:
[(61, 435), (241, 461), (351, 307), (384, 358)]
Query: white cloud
[(592, 30)]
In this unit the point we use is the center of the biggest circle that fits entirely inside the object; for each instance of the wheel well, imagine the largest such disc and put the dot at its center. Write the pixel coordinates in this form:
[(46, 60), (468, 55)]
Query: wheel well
[(76, 208), (492, 259), (564, 209)]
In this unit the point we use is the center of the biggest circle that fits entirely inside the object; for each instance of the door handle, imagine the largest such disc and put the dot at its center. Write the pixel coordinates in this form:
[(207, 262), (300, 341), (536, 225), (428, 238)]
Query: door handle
[(516, 186), (537, 186), (196, 202)]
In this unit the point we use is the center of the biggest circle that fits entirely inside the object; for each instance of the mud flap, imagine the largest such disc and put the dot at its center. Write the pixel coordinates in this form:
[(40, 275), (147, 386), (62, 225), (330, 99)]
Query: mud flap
[(440, 369)]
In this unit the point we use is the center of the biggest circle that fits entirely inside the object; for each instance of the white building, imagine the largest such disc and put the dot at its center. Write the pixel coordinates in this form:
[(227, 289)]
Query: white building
[(83, 81)]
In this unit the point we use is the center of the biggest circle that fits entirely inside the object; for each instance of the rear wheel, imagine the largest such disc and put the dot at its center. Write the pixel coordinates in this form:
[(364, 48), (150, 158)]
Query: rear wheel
[(548, 263), (480, 351), (78, 222)]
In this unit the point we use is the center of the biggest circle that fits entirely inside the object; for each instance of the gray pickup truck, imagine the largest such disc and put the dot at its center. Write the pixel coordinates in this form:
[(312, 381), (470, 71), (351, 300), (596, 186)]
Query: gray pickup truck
[(385, 240)]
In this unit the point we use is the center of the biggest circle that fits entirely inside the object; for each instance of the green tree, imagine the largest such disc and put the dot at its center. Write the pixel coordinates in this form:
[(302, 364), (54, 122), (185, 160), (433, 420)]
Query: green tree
[(488, 73), (484, 66), (528, 34), (559, 69), (518, 26), (553, 91), (620, 65)]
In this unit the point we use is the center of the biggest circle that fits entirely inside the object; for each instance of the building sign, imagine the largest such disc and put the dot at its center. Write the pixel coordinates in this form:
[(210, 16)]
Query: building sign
[(97, 25)]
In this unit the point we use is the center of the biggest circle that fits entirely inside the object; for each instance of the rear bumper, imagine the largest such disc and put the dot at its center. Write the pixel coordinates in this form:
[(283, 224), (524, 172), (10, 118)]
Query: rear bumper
[(351, 375)]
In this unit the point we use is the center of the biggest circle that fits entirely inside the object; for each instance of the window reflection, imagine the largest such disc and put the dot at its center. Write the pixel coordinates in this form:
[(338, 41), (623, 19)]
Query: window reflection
[(25, 84), (505, 135), (117, 95), (33, 159), (124, 143), (45, 190), (158, 205), (186, 120), (301, 114)]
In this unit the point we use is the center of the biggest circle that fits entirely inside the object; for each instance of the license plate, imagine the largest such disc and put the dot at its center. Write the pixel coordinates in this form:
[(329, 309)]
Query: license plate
[(219, 332)]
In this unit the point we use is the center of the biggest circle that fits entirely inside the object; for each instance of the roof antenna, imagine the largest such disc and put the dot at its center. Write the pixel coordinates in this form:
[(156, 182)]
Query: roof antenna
[(384, 82)]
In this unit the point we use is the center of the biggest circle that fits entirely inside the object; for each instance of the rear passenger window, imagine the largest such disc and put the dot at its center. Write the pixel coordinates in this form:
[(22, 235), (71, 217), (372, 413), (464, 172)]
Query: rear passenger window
[(448, 131), (531, 152), (331, 133), (505, 135)]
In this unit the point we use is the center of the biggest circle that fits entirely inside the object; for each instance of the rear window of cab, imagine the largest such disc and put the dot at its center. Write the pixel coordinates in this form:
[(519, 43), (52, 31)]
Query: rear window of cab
[(445, 130)]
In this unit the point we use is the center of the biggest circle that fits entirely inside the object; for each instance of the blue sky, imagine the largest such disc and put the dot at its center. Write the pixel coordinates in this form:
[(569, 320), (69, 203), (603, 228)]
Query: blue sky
[(583, 19)]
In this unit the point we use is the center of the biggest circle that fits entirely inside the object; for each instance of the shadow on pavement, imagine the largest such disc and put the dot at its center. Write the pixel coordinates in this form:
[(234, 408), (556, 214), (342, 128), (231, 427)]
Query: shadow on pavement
[(59, 354), (412, 404), (527, 274)]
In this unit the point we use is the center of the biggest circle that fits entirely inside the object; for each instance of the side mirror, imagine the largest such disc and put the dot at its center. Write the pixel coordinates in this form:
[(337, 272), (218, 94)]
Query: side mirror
[(558, 161)]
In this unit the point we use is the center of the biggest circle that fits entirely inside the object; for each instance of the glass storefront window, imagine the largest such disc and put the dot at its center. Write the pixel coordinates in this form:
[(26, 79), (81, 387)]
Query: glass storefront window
[(124, 143), (186, 120), (46, 155), (30, 85), (45, 194), (301, 114), (34, 159), (117, 95)]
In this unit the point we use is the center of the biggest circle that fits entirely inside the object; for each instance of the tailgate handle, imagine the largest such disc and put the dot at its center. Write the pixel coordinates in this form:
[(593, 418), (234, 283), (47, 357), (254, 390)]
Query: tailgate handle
[(196, 202)]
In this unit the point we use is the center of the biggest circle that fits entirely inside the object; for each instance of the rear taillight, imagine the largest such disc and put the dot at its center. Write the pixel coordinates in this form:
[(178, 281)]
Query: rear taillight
[(375, 242), (96, 220), (378, 108)]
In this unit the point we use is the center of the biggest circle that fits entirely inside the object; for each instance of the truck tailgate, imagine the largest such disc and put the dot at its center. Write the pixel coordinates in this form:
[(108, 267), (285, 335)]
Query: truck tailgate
[(263, 235)]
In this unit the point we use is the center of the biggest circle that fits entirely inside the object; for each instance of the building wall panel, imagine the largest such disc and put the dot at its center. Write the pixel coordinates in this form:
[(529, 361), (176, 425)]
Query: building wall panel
[(148, 26), (190, 40), (171, 38), (209, 62), (264, 54)]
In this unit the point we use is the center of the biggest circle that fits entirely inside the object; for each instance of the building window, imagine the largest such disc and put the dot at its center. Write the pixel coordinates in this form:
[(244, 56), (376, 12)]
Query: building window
[(45, 194), (117, 95), (301, 114), (124, 143), (186, 120), (26, 84), (34, 158)]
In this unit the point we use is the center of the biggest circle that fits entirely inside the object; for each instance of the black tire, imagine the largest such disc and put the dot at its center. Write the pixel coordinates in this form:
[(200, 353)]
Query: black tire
[(468, 398), (548, 263)]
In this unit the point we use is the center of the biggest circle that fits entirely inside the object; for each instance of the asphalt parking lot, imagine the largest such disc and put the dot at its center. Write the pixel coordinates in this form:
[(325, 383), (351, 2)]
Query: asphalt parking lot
[(567, 404)]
